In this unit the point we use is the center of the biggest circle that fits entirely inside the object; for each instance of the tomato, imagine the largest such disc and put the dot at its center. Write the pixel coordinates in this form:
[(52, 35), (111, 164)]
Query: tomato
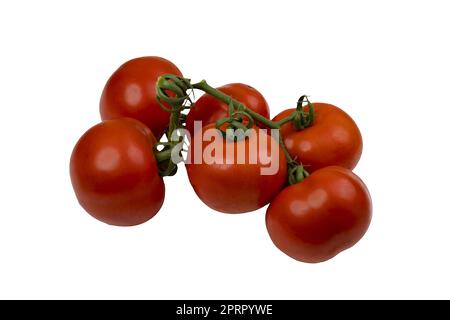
[(208, 109), (333, 139), (130, 92), (114, 173), (232, 187), (314, 220)]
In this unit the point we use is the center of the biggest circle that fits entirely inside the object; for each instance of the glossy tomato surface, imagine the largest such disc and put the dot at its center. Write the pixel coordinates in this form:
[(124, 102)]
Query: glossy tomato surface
[(130, 92), (235, 182), (114, 173), (314, 220), (333, 140), (208, 109)]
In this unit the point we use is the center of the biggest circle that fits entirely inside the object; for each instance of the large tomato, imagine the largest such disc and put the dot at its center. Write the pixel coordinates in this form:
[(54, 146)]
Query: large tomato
[(208, 109), (332, 140), (314, 220), (114, 172), (130, 92), (235, 182)]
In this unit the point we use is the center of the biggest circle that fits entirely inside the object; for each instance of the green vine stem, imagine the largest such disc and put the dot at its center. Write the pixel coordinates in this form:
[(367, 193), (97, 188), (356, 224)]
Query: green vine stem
[(167, 86), (163, 155), (179, 86)]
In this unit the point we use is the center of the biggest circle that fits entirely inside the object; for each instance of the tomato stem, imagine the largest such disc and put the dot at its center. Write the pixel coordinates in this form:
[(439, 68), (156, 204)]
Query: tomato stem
[(283, 121), (179, 87), (205, 87), (163, 155)]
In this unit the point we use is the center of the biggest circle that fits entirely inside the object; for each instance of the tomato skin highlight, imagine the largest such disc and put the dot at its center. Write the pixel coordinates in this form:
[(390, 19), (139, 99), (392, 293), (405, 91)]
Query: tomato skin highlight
[(209, 109), (333, 139), (314, 220), (130, 92), (114, 173), (232, 187)]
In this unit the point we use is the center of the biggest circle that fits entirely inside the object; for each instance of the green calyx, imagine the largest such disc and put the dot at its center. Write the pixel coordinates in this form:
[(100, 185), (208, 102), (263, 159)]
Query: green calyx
[(235, 128), (296, 173), (178, 86), (303, 119)]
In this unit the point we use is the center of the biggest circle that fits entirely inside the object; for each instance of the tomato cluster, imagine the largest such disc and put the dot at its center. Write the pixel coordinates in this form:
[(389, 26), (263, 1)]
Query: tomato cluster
[(318, 206)]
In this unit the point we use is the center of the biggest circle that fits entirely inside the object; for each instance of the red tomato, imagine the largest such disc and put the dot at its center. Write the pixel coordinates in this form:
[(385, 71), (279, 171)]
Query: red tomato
[(332, 140), (208, 109), (130, 92), (230, 187), (314, 220), (114, 173)]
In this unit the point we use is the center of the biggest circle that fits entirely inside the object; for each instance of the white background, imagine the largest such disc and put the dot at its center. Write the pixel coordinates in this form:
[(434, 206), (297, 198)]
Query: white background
[(385, 62)]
